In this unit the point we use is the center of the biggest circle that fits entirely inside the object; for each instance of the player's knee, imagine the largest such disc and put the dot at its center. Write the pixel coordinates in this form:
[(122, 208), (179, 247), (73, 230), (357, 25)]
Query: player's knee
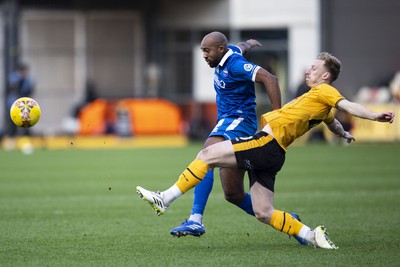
[(234, 197), (263, 215), (204, 156)]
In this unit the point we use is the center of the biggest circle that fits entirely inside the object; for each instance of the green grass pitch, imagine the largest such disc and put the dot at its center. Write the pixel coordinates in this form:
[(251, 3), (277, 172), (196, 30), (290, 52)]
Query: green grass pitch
[(79, 208)]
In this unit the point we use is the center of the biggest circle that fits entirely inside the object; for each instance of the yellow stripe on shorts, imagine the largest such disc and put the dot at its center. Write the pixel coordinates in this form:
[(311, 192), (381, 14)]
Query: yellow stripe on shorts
[(252, 143)]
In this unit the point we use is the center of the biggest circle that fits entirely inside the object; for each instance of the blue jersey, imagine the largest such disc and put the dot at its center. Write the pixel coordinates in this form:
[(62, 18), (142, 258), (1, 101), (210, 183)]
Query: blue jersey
[(234, 85)]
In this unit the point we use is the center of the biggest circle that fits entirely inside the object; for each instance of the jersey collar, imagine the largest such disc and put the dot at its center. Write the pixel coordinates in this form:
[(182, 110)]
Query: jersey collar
[(225, 57)]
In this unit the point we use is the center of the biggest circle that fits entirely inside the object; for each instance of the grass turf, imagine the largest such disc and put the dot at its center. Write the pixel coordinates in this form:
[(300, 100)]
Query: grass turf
[(79, 208)]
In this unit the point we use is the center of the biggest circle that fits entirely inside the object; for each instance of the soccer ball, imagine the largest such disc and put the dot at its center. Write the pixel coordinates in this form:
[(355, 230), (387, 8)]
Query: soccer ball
[(25, 112)]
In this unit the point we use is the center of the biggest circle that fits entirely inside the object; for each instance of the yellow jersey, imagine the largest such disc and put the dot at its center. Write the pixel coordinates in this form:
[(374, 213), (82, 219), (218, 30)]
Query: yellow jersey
[(303, 113)]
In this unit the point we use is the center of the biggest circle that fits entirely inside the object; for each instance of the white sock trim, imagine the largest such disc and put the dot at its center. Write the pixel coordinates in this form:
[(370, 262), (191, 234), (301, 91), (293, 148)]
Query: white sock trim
[(304, 231), (197, 217), (171, 194)]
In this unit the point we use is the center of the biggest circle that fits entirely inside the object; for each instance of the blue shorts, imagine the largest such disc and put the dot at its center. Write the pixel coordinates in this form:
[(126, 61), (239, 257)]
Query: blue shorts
[(233, 127)]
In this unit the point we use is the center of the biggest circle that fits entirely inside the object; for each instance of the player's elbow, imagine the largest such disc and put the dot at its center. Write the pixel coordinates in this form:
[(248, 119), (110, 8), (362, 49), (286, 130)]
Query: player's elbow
[(271, 78)]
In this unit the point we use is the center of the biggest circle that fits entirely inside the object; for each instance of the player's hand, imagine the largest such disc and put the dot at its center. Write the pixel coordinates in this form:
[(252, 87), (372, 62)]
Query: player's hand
[(348, 137), (385, 116), (252, 43)]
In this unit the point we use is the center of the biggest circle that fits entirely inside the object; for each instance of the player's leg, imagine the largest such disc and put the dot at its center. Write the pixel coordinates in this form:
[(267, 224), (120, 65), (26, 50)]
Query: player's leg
[(188, 179), (263, 158), (231, 178), (281, 221), (284, 222), (194, 225), (232, 181), (263, 198), (263, 161), (219, 154)]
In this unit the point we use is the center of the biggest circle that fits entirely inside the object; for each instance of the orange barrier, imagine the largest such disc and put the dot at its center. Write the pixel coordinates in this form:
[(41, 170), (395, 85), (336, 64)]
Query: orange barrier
[(133, 116), (153, 116), (92, 118)]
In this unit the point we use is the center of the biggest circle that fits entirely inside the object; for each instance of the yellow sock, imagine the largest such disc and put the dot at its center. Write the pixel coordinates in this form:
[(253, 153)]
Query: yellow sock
[(285, 223), (192, 176)]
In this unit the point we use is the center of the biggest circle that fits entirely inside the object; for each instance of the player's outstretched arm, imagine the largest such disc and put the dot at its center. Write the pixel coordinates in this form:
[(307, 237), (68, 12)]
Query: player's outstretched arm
[(360, 111)]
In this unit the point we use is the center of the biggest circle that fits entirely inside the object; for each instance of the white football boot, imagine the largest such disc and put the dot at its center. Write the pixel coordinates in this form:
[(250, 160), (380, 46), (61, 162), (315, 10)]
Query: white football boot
[(155, 199), (322, 240)]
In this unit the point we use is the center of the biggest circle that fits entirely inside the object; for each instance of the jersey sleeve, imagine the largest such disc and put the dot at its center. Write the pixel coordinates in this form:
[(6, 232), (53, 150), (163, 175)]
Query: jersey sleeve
[(329, 95), (329, 118), (243, 70), (236, 49)]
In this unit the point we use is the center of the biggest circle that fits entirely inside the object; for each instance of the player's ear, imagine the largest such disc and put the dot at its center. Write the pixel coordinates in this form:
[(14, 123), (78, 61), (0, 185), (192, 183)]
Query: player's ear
[(326, 76)]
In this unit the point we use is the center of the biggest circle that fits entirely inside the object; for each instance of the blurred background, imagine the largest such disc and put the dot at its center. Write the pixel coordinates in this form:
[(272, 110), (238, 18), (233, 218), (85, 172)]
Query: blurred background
[(134, 68)]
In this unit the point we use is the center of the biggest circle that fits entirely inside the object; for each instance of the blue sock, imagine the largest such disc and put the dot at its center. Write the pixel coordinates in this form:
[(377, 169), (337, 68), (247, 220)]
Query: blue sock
[(201, 193), (246, 205)]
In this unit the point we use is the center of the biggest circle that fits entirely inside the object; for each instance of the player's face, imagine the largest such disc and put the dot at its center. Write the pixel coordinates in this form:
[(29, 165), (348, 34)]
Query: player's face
[(211, 54), (317, 74)]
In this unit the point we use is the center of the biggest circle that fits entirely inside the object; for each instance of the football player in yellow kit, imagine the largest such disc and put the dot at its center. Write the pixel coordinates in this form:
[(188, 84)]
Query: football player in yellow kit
[(263, 154)]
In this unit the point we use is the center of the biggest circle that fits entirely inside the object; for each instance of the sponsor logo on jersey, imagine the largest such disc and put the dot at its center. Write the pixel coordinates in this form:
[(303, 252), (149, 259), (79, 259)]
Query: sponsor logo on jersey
[(218, 82)]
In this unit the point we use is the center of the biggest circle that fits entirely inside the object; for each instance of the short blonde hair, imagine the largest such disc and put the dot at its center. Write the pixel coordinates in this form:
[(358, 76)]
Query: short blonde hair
[(331, 63)]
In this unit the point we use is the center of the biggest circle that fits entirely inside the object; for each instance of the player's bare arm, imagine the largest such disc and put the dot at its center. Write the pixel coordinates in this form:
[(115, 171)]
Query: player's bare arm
[(337, 128), (271, 85), (360, 111)]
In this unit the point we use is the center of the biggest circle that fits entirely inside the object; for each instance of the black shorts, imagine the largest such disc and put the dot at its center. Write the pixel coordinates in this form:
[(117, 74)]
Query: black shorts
[(261, 156)]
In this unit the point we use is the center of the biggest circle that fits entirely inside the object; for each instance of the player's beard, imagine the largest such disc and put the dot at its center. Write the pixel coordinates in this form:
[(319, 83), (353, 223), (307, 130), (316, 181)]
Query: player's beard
[(212, 64)]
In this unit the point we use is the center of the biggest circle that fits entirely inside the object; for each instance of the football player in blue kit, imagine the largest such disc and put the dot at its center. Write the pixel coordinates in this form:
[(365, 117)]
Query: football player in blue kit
[(234, 79)]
